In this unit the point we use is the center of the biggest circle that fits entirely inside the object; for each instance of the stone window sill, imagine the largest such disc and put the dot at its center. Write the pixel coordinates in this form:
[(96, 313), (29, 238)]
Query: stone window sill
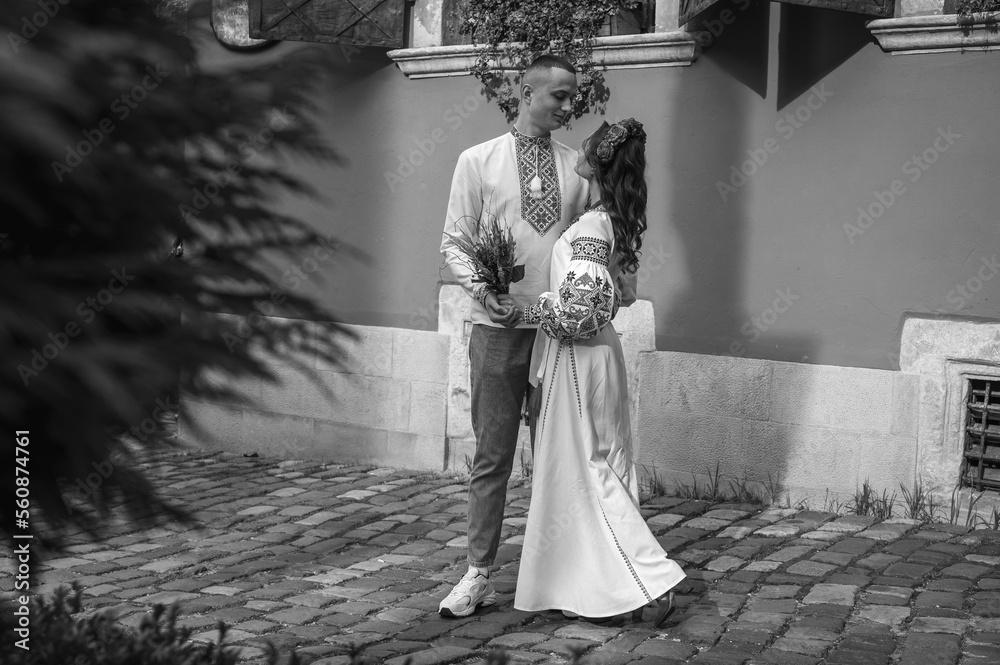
[(656, 49), (936, 34)]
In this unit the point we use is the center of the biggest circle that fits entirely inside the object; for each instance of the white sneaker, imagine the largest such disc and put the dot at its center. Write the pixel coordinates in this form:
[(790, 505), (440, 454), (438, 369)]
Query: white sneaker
[(474, 590)]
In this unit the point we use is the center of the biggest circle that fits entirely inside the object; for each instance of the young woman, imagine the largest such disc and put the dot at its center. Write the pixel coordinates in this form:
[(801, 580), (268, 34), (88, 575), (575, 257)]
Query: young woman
[(587, 550)]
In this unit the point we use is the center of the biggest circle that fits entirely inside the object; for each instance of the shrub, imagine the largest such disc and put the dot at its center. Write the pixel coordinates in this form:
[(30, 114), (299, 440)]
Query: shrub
[(59, 635), (120, 153)]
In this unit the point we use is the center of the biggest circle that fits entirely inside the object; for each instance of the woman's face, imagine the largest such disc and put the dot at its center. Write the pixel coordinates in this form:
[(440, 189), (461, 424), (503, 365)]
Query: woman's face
[(583, 167)]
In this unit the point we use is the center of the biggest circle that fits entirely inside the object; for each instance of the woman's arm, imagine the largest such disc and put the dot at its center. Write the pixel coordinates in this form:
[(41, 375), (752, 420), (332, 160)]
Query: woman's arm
[(586, 299)]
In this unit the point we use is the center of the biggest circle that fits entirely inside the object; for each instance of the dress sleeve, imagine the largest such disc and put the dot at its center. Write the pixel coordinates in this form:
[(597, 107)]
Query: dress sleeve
[(586, 300), (465, 205)]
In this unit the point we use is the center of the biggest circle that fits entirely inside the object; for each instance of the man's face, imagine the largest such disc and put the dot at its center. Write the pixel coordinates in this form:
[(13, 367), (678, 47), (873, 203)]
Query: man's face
[(551, 98)]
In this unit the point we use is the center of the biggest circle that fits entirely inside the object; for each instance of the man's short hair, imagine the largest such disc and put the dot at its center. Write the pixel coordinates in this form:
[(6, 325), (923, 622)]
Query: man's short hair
[(547, 61)]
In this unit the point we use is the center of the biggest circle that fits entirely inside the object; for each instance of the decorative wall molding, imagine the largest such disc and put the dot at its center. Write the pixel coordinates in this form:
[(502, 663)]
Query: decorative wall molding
[(936, 34), (657, 49)]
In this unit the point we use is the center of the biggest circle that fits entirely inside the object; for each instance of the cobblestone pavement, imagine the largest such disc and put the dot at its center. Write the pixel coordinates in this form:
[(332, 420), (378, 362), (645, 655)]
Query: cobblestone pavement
[(322, 556)]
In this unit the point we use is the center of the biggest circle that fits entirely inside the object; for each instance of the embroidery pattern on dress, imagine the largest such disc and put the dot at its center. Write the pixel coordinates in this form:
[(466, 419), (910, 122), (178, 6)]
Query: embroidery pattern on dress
[(624, 556), (576, 377), (592, 249), (541, 213), (548, 396), (532, 314), (587, 304), (576, 218)]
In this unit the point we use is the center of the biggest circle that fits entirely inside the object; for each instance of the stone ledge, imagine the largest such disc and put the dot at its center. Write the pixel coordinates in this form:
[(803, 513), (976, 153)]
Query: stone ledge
[(937, 34), (657, 49)]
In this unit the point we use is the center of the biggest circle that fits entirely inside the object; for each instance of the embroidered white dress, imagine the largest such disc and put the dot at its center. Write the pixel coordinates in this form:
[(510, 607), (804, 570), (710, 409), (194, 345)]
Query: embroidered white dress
[(586, 547)]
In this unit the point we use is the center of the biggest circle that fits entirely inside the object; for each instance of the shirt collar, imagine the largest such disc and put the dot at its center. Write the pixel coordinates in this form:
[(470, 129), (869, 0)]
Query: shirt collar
[(523, 140)]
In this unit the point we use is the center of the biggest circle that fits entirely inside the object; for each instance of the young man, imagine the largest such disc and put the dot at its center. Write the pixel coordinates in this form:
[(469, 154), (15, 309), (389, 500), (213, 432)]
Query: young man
[(526, 179)]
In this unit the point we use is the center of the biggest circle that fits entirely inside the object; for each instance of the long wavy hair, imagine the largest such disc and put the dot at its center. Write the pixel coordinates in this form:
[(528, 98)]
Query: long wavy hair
[(623, 187)]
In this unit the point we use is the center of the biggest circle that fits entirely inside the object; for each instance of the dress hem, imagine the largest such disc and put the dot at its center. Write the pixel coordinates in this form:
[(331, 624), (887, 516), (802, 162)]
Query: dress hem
[(605, 613)]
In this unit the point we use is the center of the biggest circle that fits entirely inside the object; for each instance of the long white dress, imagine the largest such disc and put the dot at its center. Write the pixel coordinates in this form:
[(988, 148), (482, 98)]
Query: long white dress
[(586, 546)]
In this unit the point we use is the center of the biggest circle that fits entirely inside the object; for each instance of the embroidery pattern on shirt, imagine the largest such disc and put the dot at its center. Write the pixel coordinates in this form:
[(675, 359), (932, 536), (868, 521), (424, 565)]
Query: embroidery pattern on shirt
[(480, 292), (541, 213), (592, 249)]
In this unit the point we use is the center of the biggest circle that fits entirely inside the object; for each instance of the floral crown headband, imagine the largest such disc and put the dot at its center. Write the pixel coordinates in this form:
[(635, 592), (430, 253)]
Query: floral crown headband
[(616, 135)]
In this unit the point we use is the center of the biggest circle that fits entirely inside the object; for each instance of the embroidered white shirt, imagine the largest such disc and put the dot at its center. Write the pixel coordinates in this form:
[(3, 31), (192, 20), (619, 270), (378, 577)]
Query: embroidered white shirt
[(494, 178)]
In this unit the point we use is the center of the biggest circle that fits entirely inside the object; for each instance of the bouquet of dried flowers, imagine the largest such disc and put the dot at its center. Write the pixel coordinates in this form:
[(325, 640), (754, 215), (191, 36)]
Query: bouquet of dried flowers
[(491, 254)]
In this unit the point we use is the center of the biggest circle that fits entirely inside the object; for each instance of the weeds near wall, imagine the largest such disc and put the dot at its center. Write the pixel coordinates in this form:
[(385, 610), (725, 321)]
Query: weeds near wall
[(463, 474), (993, 522), (801, 504), (832, 504), (919, 502), (692, 491), (650, 482), (743, 492), (526, 467), (869, 503), (955, 508), (716, 489), (774, 489)]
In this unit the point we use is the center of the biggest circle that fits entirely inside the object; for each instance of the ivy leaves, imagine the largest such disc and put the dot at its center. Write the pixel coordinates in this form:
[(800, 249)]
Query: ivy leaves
[(514, 32)]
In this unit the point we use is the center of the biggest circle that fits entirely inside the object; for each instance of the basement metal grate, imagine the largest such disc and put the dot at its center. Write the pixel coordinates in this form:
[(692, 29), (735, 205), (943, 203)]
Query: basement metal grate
[(981, 454)]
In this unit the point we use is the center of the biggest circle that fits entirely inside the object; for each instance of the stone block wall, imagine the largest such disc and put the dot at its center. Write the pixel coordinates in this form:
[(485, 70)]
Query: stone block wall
[(808, 428), (943, 355), (401, 400), (818, 431), (387, 405)]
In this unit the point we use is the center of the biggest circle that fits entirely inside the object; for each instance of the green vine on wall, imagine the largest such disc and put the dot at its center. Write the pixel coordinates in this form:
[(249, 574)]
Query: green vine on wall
[(513, 32), (967, 8)]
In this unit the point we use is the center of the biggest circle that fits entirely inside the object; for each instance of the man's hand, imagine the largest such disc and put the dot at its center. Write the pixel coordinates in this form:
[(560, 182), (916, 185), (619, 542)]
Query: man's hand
[(501, 309)]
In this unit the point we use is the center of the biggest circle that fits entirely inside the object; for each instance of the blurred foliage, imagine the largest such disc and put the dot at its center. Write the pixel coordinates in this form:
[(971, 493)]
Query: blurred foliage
[(138, 200), (61, 634), (515, 32)]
